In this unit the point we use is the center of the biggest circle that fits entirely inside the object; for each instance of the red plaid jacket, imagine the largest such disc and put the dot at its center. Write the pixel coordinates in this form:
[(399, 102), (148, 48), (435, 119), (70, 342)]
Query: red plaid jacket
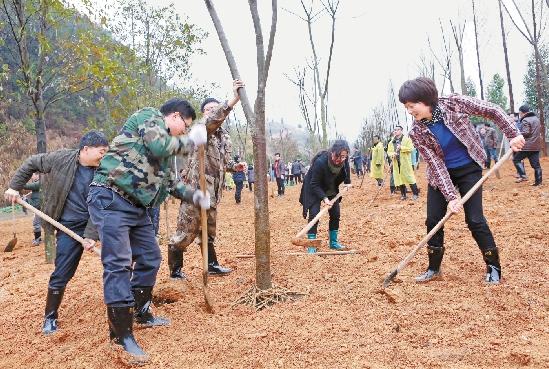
[(456, 110)]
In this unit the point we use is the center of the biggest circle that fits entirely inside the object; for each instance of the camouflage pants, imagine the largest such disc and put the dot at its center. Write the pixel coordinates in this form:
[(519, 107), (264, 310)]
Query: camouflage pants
[(188, 226)]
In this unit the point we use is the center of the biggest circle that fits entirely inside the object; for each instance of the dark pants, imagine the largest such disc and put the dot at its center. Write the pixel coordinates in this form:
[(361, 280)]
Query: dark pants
[(238, 192), (533, 158), (154, 214), (280, 185), (67, 256), (297, 178), (334, 213), (464, 178), (127, 237), (490, 154), (251, 186)]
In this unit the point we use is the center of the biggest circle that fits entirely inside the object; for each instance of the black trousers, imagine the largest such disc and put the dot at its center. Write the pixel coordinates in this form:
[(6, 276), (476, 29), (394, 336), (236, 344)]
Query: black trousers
[(280, 185), (334, 214), (533, 158), (464, 178), (238, 192), (251, 186)]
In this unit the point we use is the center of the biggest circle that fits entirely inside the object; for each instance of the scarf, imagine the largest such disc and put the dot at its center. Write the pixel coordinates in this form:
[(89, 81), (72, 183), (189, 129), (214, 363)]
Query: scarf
[(437, 116)]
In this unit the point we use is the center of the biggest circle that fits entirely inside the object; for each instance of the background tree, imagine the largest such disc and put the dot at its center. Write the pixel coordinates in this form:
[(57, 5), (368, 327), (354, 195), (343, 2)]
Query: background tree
[(507, 68), (495, 92), (444, 58), (458, 30), (530, 82), (470, 88), (533, 34), (475, 23)]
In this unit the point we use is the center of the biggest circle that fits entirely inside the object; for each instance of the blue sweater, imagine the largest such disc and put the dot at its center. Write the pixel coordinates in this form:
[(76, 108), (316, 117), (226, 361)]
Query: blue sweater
[(455, 153)]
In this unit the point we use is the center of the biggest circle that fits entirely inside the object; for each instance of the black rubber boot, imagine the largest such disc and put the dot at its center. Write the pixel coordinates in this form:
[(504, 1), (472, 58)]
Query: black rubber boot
[(403, 192), (213, 265), (415, 191), (143, 311), (121, 333), (435, 259), (537, 176), (493, 267), (175, 263), (53, 300)]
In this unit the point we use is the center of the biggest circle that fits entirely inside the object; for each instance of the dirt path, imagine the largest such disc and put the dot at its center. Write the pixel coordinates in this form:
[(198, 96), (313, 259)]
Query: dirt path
[(342, 323)]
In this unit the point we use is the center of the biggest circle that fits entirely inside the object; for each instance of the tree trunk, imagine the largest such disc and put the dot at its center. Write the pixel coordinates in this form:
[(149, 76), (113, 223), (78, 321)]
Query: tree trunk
[(478, 52), (539, 92), (508, 70), (256, 119)]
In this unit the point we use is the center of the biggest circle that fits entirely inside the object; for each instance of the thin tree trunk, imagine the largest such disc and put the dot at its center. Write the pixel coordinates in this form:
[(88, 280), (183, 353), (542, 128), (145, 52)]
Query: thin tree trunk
[(478, 52), (507, 68), (539, 92), (256, 119)]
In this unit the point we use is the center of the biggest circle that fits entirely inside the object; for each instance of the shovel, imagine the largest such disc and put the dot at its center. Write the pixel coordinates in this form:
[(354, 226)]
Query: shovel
[(439, 225), (13, 241), (56, 224), (298, 241), (204, 226)]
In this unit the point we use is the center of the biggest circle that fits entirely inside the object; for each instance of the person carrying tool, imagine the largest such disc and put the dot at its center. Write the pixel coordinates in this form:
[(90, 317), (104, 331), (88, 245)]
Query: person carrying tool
[(400, 150), (69, 173), (218, 159), (321, 184), (378, 161), (454, 156), (135, 175)]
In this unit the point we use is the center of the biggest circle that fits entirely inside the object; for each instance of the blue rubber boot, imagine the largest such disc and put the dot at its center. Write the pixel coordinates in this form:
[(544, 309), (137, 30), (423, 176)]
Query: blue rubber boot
[(334, 245), (311, 249)]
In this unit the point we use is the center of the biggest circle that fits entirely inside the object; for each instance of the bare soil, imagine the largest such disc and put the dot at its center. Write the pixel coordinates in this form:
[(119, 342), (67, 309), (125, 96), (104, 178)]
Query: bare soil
[(344, 321)]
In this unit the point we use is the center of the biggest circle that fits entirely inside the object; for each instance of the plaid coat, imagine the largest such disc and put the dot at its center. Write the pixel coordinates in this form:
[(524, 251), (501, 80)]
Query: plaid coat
[(456, 111)]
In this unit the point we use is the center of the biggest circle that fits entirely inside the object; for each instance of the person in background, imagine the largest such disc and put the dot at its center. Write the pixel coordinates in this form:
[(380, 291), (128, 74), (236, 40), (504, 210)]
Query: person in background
[(531, 130), (296, 170), (239, 175), (490, 144), (516, 119), (279, 169), (251, 176), (358, 163), (378, 161), (400, 149)]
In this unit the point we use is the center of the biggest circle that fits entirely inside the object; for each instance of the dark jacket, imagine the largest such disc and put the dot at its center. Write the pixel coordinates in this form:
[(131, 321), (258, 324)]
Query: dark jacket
[(296, 168), (318, 178), (34, 198), (531, 130), (281, 169), (60, 167), (251, 174)]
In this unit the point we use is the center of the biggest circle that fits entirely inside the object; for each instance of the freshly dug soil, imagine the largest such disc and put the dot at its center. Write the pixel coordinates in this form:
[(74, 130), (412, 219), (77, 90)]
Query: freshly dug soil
[(344, 321)]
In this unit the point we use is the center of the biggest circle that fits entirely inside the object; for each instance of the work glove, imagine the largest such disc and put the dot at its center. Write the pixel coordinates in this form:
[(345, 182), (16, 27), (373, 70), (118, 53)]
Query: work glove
[(201, 200), (198, 134), (11, 195)]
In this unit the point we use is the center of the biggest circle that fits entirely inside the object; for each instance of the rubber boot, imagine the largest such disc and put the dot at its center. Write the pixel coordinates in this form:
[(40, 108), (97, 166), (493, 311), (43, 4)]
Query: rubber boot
[(435, 259), (311, 249), (537, 176), (415, 191), (53, 300), (121, 333), (37, 238), (334, 245), (143, 312), (493, 267), (175, 263), (213, 265), (402, 192)]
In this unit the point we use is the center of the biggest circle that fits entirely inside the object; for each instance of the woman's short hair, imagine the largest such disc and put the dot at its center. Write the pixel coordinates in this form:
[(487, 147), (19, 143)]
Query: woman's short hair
[(421, 89)]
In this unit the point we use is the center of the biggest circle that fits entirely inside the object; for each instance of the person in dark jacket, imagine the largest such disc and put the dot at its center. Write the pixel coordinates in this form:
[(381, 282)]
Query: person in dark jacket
[(357, 161), (321, 184), (239, 176), (69, 174), (297, 167), (530, 128), (251, 176), (454, 156), (279, 171)]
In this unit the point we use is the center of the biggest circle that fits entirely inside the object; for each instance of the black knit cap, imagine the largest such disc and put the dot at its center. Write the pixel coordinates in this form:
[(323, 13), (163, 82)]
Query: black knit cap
[(524, 109), (93, 139)]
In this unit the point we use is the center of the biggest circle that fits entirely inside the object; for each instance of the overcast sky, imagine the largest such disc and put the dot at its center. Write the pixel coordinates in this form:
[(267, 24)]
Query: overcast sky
[(375, 42)]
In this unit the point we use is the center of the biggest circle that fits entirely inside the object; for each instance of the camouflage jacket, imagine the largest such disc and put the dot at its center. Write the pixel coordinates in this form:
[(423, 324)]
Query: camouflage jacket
[(218, 159), (138, 162)]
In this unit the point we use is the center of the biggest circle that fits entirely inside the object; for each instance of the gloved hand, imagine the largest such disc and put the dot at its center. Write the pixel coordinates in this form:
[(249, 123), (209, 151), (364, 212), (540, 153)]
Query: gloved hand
[(198, 134), (11, 195), (200, 200)]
